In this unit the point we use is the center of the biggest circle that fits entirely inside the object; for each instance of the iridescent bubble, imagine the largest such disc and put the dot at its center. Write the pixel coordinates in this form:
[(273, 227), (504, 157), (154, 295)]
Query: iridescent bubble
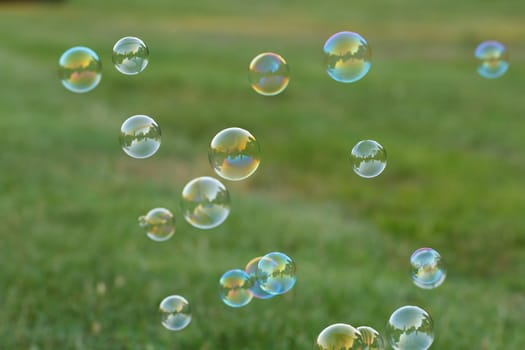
[(269, 74), (175, 312), (235, 288), (130, 55), (493, 59), (276, 273), (80, 69), (140, 136), (372, 340), (339, 336), (347, 57), (368, 158), (205, 202), (158, 223), (427, 268), (251, 270), (234, 154), (410, 328)]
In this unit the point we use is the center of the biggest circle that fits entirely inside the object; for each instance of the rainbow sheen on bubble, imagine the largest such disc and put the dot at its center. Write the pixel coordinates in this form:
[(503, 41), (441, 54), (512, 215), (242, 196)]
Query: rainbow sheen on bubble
[(158, 223), (235, 288), (339, 336), (234, 154), (175, 312), (251, 270), (368, 158), (410, 328), (427, 268), (269, 74), (493, 59), (130, 55), (372, 340), (276, 273), (347, 57), (140, 136), (205, 202), (80, 69)]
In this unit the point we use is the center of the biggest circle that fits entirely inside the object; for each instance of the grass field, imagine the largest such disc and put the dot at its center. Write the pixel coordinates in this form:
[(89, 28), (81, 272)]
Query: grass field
[(76, 270)]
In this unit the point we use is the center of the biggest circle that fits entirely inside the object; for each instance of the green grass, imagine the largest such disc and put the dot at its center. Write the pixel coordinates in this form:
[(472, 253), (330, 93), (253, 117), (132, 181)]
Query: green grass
[(78, 273)]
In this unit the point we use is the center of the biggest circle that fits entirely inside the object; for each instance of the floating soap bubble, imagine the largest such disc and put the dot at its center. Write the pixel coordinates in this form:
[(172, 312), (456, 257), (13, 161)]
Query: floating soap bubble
[(130, 55), (235, 288), (347, 57), (175, 312), (159, 224), (493, 59), (427, 268), (251, 270), (269, 74), (234, 154), (410, 328), (276, 273), (80, 69), (368, 158), (140, 136), (205, 202), (372, 340), (340, 336)]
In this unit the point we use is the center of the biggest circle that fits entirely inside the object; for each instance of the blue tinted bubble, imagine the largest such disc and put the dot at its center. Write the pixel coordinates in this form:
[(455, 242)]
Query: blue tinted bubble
[(235, 288), (410, 328), (347, 57), (276, 273), (368, 158), (427, 268), (251, 270), (493, 59), (175, 312), (140, 136), (130, 55)]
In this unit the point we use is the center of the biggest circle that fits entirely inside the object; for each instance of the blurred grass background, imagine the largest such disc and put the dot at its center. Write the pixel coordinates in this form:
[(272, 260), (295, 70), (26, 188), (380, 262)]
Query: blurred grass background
[(78, 273)]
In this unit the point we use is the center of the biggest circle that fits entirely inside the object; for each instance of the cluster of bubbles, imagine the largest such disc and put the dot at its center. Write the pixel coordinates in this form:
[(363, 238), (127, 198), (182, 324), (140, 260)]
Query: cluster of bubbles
[(263, 277), (345, 336)]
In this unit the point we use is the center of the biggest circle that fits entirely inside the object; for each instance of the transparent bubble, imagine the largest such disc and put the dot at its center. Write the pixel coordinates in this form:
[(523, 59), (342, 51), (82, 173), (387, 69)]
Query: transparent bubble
[(427, 268), (79, 69), (140, 136), (205, 202), (340, 336), (276, 273), (251, 270), (158, 223), (269, 74), (410, 328), (372, 340), (347, 57), (130, 55), (368, 158), (235, 288), (234, 154), (493, 59), (175, 312)]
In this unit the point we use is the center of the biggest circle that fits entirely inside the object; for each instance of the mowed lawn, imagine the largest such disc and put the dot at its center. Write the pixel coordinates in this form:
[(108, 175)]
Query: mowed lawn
[(77, 272)]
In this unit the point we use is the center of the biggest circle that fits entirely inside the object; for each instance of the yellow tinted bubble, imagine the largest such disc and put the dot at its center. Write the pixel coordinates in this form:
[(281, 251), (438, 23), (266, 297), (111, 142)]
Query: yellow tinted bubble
[(410, 327), (368, 158), (140, 136), (205, 202), (235, 288), (234, 154), (347, 57), (80, 69), (158, 223), (130, 55), (276, 273), (269, 74), (372, 340), (175, 313), (340, 336), (255, 288)]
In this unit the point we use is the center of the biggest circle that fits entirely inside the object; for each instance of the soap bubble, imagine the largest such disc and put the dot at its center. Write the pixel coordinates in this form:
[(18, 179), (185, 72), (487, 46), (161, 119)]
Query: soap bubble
[(368, 158), (410, 328), (205, 202), (493, 59), (235, 288), (159, 224), (372, 340), (347, 57), (130, 55), (340, 336), (276, 273), (80, 69), (234, 154), (251, 270), (269, 74), (140, 136), (175, 312), (427, 268)]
